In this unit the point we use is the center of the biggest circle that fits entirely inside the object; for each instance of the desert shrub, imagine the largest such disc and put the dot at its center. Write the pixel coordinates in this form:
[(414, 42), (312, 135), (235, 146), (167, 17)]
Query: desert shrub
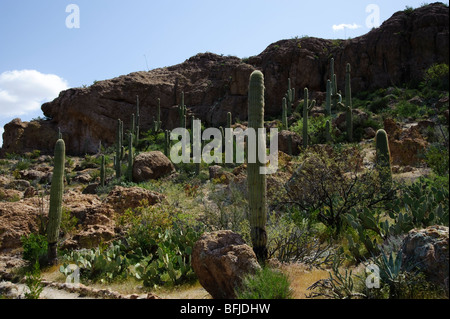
[(266, 283), (379, 104), (68, 222), (340, 285), (316, 129), (22, 164), (436, 77), (146, 223), (290, 241), (33, 282), (437, 158), (419, 205), (327, 185), (34, 248)]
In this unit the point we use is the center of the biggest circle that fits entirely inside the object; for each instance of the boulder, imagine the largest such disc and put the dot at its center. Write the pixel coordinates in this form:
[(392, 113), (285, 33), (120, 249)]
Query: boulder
[(428, 249), (121, 198), (219, 175), (283, 142), (151, 165), (220, 260)]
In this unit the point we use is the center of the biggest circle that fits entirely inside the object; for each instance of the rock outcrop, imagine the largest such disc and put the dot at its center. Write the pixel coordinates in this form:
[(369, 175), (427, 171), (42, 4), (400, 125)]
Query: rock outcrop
[(220, 260), (151, 165), (214, 85), (428, 249)]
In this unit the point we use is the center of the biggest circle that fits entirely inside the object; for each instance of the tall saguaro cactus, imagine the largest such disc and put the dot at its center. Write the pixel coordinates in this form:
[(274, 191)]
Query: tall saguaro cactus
[(306, 108), (383, 159), (119, 149), (257, 185), (284, 116), (102, 171), (182, 111), (290, 97), (348, 104), (56, 193), (328, 99), (158, 117), (129, 174), (336, 97)]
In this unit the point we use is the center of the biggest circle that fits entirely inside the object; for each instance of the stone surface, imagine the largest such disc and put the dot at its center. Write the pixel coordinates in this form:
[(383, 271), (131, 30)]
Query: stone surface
[(215, 85), (151, 165), (220, 260), (406, 145), (428, 249), (121, 198), (283, 142)]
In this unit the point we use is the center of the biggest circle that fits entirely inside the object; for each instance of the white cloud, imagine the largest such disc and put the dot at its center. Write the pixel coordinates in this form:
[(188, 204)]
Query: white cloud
[(342, 26), (24, 91)]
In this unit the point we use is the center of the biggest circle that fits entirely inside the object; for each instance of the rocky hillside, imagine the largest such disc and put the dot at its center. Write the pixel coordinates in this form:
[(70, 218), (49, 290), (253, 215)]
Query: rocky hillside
[(396, 53)]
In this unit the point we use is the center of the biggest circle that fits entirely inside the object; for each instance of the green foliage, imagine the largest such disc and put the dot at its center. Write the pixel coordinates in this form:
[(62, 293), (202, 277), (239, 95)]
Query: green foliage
[(68, 222), (436, 77), (437, 158), (266, 283), (34, 248), (171, 264), (316, 129), (33, 282), (100, 264), (419, 205)]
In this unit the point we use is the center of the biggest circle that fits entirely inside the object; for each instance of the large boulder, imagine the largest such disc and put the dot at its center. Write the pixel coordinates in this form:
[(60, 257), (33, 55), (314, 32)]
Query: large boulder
[(286, 137), (405, 144), (428, 249), (221, 259), (151, 165), (121, 198)]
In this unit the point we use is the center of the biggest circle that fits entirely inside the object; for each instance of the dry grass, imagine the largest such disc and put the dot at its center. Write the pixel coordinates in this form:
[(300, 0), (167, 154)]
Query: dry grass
[(301, 278)]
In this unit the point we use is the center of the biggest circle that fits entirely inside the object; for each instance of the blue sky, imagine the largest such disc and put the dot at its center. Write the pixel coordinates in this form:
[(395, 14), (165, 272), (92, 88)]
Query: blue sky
[(40, 55)]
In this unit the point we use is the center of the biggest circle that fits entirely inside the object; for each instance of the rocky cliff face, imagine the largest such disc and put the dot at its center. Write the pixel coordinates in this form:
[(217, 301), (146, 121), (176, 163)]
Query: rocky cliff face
[(396, 53)]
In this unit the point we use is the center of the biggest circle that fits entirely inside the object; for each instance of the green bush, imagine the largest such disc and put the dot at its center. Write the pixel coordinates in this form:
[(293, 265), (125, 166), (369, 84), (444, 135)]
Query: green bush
[(437, 77), (265, 284), (34, 248), (437, 158)]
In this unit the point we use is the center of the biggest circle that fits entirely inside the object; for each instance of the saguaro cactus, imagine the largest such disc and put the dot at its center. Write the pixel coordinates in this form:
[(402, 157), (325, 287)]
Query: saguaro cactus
[(336, 97), (182, 111), (306, 108), (119, 149), (383, 159), (56, 193), (328, 99), (166, 143), (290, 97), (257, 187), (102, 172), (348, 104), (328, 131), (284, 117), (129, 175), (158, 117)]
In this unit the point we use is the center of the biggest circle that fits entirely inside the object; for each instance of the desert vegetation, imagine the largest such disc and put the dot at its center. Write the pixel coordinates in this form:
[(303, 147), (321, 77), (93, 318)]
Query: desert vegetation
[(360, 194)]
